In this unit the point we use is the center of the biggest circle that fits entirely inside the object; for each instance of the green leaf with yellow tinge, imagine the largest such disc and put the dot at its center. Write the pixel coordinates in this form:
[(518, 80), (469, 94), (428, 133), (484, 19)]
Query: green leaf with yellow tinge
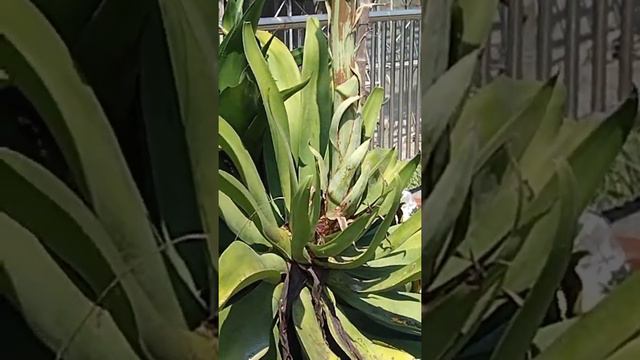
[(255, 267)]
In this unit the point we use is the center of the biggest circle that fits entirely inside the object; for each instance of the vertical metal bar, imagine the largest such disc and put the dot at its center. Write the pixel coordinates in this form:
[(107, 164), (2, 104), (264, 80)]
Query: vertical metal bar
[(514, 39), (418, 113), (401, 92), (383, 82), (485, 62), (410, 141), (571, 55), (379, 76), (598, 90), (361, 46), (372, 55), (504, 31), (372, 64), (290, 32), (392, 81), (543, 42), (626, 49)]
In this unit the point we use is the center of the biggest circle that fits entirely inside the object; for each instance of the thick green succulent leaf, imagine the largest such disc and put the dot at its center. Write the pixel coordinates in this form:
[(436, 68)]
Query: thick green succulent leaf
[(518, 130), (243, 111), (340, 182), (371, 111), (193, 58), (400, 311), (87, 29), (446, 317), (243, 227), (538, 244), (273, 179), (232, 14), (302, 227), (548, 334), (252, 317), (615, 319), (408, 252), (284, 167), (172, 179), (334, 135), (92, 254), (593, 148), (388, 210), (630, 351), (232, 74), (232, 42), (444, 100), (443, 206), (364, 347), (402, 233), (550, 126), (308, 329), (322, 169), (293, 90), (475, 320), (407, 273), (520, 332), (590, 157), (477, 18), (392, 168), (315, 66), (313, 59), (371, 164), (276, 114), (51, 304), (380, 183), (589, 149), (434, 44), (315, 204), (231, 144), (335, 245), (350, 133), (349, 87), (400, 176), (68, 17), (234, 189), (274, 348), (98, 45), (504, 98), (286, 75), (41, 67), (524, 112), (311, 63), (254, 136), (37, 200), (240, 266)]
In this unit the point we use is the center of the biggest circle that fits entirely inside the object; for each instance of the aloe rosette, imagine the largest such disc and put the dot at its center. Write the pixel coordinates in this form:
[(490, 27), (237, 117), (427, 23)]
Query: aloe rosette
[(319, 263), (507, 176)]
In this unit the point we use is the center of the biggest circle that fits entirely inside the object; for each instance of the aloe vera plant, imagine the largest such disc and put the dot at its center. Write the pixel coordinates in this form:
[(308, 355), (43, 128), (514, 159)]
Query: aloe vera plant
[(317, 265), (83, 262), (506, 177)]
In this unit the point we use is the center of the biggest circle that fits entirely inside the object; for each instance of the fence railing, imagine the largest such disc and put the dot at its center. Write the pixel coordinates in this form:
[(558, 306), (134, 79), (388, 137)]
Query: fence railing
[(593, 44), (392, 49)]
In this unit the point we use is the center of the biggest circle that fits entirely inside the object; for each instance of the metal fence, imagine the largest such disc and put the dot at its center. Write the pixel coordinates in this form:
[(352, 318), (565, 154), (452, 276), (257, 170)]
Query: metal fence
[(392, 48), (593, 44)]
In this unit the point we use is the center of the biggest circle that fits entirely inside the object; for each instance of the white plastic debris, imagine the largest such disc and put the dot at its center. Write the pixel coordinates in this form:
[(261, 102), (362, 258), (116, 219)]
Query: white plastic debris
[(597, 270), (409, 205)]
